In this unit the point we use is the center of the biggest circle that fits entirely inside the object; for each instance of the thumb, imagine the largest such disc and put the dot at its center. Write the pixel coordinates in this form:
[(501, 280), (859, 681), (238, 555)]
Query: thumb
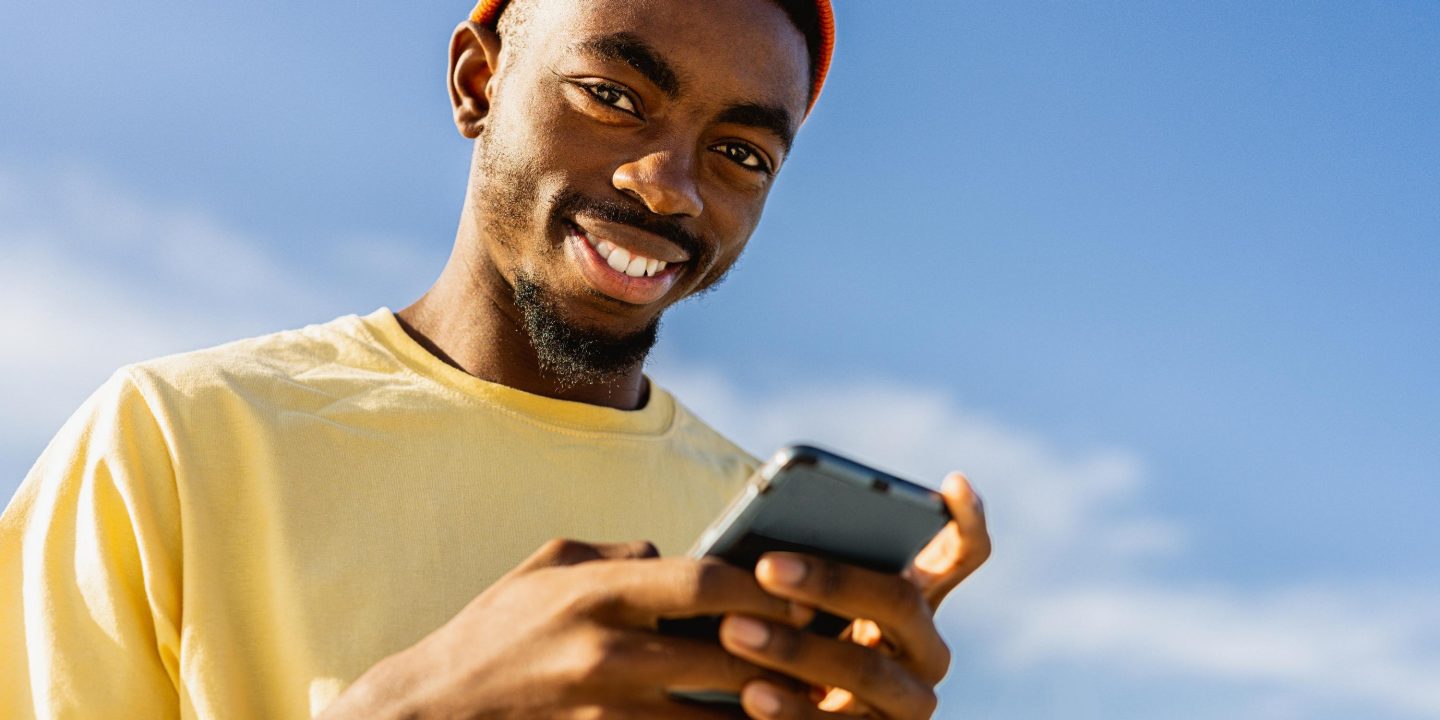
[(959, 549)]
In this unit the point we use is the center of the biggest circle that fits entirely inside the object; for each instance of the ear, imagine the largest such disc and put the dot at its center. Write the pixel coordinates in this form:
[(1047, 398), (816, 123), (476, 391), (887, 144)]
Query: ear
[(474, 57)]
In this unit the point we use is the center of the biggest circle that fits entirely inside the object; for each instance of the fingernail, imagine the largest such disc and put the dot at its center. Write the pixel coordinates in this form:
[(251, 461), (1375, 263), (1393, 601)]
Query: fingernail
[(785, 570), (747, 632), (762, 699)]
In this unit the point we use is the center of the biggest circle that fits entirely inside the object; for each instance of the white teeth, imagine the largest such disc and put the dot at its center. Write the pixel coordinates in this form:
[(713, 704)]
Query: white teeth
[(619, 259), (625, 261)]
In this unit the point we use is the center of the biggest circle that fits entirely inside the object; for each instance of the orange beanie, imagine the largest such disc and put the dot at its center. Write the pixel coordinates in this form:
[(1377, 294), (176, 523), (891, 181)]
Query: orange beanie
[(488, 11)]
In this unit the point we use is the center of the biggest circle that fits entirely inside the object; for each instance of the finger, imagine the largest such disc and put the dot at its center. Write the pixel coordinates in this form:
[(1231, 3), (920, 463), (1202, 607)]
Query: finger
[(767, 701), (640, 593), (876, 680), (562, 551), (891, 601), (959, 549), (685, 664)]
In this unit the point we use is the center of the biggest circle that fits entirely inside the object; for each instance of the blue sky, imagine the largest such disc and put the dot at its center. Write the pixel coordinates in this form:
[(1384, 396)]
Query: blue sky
[(1162, 278)]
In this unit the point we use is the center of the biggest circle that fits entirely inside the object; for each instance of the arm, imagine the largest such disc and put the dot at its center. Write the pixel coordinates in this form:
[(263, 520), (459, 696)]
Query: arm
[(572, 632), (90, 570)]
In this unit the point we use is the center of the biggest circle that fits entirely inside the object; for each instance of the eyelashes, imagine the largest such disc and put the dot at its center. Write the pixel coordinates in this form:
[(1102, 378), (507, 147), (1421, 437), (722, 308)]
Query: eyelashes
[(618, 98), (743, 155), (612, 96)]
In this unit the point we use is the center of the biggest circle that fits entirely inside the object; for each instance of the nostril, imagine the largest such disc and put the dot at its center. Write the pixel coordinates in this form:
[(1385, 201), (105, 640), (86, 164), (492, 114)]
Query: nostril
[(664, 187)]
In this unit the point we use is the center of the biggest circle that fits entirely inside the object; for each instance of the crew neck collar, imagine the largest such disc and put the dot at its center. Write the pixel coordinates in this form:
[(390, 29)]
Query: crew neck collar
[(655, 418)]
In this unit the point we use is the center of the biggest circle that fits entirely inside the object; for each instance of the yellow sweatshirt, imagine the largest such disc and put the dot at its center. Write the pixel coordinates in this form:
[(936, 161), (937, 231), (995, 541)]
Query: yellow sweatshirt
[(240, 532)]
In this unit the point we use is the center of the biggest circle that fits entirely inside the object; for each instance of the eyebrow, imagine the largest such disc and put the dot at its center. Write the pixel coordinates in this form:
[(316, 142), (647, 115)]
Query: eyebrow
[(631, 50), (759, 115)]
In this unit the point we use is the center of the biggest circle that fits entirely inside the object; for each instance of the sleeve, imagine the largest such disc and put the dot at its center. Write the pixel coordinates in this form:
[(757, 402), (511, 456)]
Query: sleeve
[(90, 563)]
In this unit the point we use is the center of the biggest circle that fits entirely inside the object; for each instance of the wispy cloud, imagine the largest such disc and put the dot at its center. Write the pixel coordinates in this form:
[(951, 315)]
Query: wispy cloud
[(93, 277), (1327, 642), (1071, 581)]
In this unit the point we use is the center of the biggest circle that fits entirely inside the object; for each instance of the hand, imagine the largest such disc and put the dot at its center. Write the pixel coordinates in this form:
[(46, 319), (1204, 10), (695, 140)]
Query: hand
[(892, 656), (571, 632)]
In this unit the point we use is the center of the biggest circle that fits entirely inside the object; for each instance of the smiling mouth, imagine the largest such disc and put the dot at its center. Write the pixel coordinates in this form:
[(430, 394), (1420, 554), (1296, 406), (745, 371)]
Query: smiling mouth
[(626, 261), (619, 272)]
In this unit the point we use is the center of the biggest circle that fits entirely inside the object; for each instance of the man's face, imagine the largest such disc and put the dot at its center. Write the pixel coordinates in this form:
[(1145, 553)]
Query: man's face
[(629, 148)]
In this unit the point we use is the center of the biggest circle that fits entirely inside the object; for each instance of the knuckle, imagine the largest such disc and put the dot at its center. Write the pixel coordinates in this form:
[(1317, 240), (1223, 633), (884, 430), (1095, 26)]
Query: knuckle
[(584, 666), (928, 702), (709, 579), (791, 645), (644, 549), (874, 667), (977, 551), (593, 658), (597, 600), (905, 597), (557, 546), (986, 546), (558, 549), (586, 597), (830, 577), (785, 644), (942, 662)]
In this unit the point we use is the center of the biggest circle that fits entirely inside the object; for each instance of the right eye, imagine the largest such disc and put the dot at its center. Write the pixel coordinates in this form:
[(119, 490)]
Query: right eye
[(612, 96)]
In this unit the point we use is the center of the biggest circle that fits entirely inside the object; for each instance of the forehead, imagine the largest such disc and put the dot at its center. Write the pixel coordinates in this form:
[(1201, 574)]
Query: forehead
[(721, 51)]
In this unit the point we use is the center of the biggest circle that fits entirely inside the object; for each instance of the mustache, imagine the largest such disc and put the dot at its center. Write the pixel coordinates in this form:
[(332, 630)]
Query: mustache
[(569, 203)]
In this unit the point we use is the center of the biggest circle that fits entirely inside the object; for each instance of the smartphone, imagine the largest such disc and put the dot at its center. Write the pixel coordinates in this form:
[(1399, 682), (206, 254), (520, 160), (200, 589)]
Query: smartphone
[(812, 501)]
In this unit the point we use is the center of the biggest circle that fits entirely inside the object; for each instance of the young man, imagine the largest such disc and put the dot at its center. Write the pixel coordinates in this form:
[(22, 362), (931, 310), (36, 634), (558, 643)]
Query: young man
[(343, 519)]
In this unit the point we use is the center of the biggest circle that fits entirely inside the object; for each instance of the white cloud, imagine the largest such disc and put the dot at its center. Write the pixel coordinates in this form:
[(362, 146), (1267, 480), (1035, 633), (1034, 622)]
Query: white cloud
[(1040, 498), (1325, 641), (1069, 582), (92, 278)]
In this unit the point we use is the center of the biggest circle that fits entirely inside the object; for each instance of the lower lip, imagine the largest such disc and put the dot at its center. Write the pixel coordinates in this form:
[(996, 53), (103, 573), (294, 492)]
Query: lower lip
[(609, 281)]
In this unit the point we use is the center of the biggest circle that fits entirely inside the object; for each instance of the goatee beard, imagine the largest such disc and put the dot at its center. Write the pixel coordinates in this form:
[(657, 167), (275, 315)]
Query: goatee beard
[(573, 355)]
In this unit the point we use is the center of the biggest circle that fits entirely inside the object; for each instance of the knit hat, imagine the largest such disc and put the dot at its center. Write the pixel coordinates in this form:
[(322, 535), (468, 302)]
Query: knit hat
[(487, 13)]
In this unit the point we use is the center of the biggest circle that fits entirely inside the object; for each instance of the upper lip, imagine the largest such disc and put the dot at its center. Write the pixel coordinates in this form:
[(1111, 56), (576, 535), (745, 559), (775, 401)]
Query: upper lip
[(633, 239)]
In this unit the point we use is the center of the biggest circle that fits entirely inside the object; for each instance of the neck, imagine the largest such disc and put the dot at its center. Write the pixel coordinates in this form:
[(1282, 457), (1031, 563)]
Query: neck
[(468, 319)]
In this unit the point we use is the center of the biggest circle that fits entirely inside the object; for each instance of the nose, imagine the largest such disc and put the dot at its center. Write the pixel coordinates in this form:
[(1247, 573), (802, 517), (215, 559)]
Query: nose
[(664, 180)]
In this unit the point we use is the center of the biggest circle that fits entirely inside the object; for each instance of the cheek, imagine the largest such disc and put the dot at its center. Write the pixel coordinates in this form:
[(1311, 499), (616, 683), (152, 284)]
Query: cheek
[(523, 163), (732, 220), (566, 142), (724, 260)]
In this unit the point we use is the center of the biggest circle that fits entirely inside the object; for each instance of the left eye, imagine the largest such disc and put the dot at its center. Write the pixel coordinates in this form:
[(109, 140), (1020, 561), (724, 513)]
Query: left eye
[(612, 96), (742, 156)]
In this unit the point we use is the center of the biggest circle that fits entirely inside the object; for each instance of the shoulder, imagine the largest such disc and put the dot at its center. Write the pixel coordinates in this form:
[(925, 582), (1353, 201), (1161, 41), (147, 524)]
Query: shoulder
[(292, 367)]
